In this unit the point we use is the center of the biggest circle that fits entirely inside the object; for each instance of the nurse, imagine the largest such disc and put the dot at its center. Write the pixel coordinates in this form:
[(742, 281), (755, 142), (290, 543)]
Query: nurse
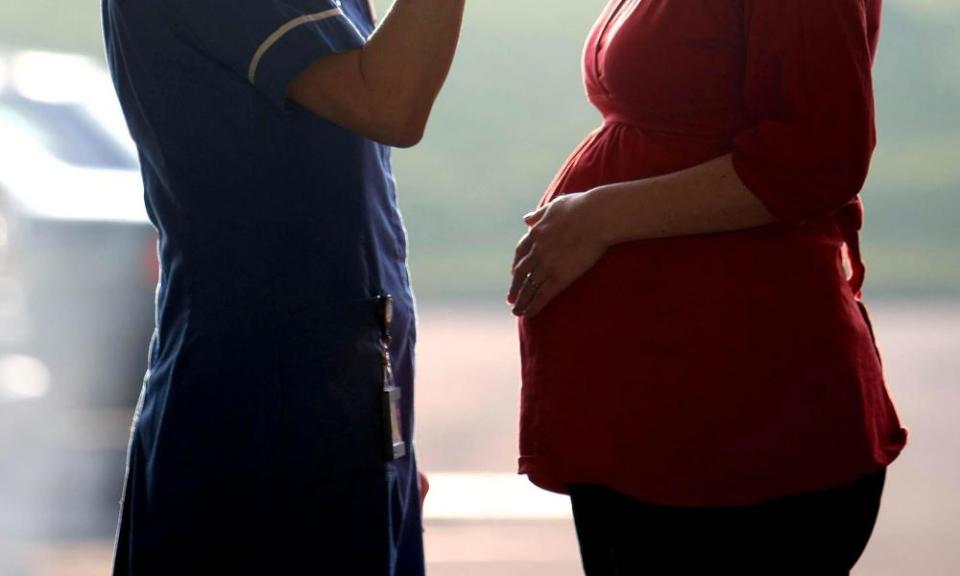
[(274, 430)]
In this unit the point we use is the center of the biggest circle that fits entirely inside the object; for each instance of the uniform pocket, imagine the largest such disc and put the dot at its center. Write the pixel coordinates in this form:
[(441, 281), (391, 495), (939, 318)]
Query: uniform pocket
[(330, 383)]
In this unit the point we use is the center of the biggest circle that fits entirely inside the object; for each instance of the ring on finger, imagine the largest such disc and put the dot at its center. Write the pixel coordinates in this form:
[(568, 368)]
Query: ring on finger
[(529, 279)]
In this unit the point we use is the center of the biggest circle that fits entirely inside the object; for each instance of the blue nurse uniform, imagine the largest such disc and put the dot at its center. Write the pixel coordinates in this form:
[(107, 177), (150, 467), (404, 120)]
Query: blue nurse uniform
[(258, 441)]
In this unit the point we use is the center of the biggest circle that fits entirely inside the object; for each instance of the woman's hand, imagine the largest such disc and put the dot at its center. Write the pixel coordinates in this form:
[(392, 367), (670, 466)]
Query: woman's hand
[(563, 243)]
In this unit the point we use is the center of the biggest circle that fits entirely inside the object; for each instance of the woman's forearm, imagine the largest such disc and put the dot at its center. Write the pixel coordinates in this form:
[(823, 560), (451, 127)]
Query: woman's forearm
[(568, 236), (707, 198)]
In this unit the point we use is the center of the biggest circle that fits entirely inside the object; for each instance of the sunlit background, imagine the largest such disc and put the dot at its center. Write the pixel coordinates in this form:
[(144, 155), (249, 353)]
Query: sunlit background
[(77, 270)]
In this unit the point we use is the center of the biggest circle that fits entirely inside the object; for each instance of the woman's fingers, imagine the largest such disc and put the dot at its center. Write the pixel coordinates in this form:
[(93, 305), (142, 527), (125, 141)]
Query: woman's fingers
[(555, 274), (524, 267), (539, 301), (535, 216), (567, 241), (529, 287), (523, 248)]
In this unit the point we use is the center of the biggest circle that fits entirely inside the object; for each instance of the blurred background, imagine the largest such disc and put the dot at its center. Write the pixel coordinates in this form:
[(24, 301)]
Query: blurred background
[(78, 267)]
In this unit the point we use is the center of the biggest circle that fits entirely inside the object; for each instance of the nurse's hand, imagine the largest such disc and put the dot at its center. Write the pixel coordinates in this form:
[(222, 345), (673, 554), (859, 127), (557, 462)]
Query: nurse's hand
[(424, 487), (563, 243)]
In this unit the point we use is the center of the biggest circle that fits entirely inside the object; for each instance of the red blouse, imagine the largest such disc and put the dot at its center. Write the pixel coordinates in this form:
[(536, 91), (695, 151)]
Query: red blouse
[(723, 369)]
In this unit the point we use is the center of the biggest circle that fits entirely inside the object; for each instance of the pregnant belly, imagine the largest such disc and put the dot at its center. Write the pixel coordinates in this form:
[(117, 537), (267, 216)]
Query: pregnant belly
[(618, 152), (669, 287)]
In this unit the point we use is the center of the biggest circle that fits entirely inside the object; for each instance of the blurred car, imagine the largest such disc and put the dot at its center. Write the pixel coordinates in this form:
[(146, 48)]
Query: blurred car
[(78, 264)]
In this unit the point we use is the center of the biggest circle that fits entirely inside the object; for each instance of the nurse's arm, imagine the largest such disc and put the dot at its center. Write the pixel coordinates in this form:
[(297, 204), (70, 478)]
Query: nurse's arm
[(386, 90)]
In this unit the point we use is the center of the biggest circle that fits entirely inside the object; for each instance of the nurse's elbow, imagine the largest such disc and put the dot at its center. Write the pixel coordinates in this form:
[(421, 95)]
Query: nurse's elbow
[(403, 113), (403, 130), (408, 137), (333, 88), (404, 142)]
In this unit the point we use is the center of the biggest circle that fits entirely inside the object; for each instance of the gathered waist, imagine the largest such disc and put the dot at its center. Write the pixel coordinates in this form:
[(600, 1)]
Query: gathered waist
[(622, 151), (667, 130)]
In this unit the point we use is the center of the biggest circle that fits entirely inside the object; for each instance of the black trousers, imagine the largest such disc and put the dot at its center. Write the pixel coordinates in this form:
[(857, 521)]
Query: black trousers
[(815, 534)]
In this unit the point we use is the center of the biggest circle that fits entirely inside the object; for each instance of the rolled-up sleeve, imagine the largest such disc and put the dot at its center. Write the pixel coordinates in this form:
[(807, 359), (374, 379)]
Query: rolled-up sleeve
[(265, 42), (809, 100)]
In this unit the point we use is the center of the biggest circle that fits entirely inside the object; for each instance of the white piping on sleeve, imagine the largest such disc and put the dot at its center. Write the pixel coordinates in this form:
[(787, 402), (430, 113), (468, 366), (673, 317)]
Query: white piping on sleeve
[(281, 32)]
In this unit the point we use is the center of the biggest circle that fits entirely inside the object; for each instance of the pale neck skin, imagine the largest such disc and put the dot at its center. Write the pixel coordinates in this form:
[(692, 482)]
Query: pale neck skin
[(569, 235)]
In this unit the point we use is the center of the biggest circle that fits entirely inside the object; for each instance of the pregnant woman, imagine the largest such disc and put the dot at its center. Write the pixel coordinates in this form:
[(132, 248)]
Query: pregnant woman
[(699, 372)]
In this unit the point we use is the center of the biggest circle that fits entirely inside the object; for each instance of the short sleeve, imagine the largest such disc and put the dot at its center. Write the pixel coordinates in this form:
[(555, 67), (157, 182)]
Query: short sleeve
[(266, 42), (809, 100)]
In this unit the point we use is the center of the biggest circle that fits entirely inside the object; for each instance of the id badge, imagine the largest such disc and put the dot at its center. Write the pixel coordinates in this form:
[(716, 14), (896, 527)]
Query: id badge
[(396, 447)]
